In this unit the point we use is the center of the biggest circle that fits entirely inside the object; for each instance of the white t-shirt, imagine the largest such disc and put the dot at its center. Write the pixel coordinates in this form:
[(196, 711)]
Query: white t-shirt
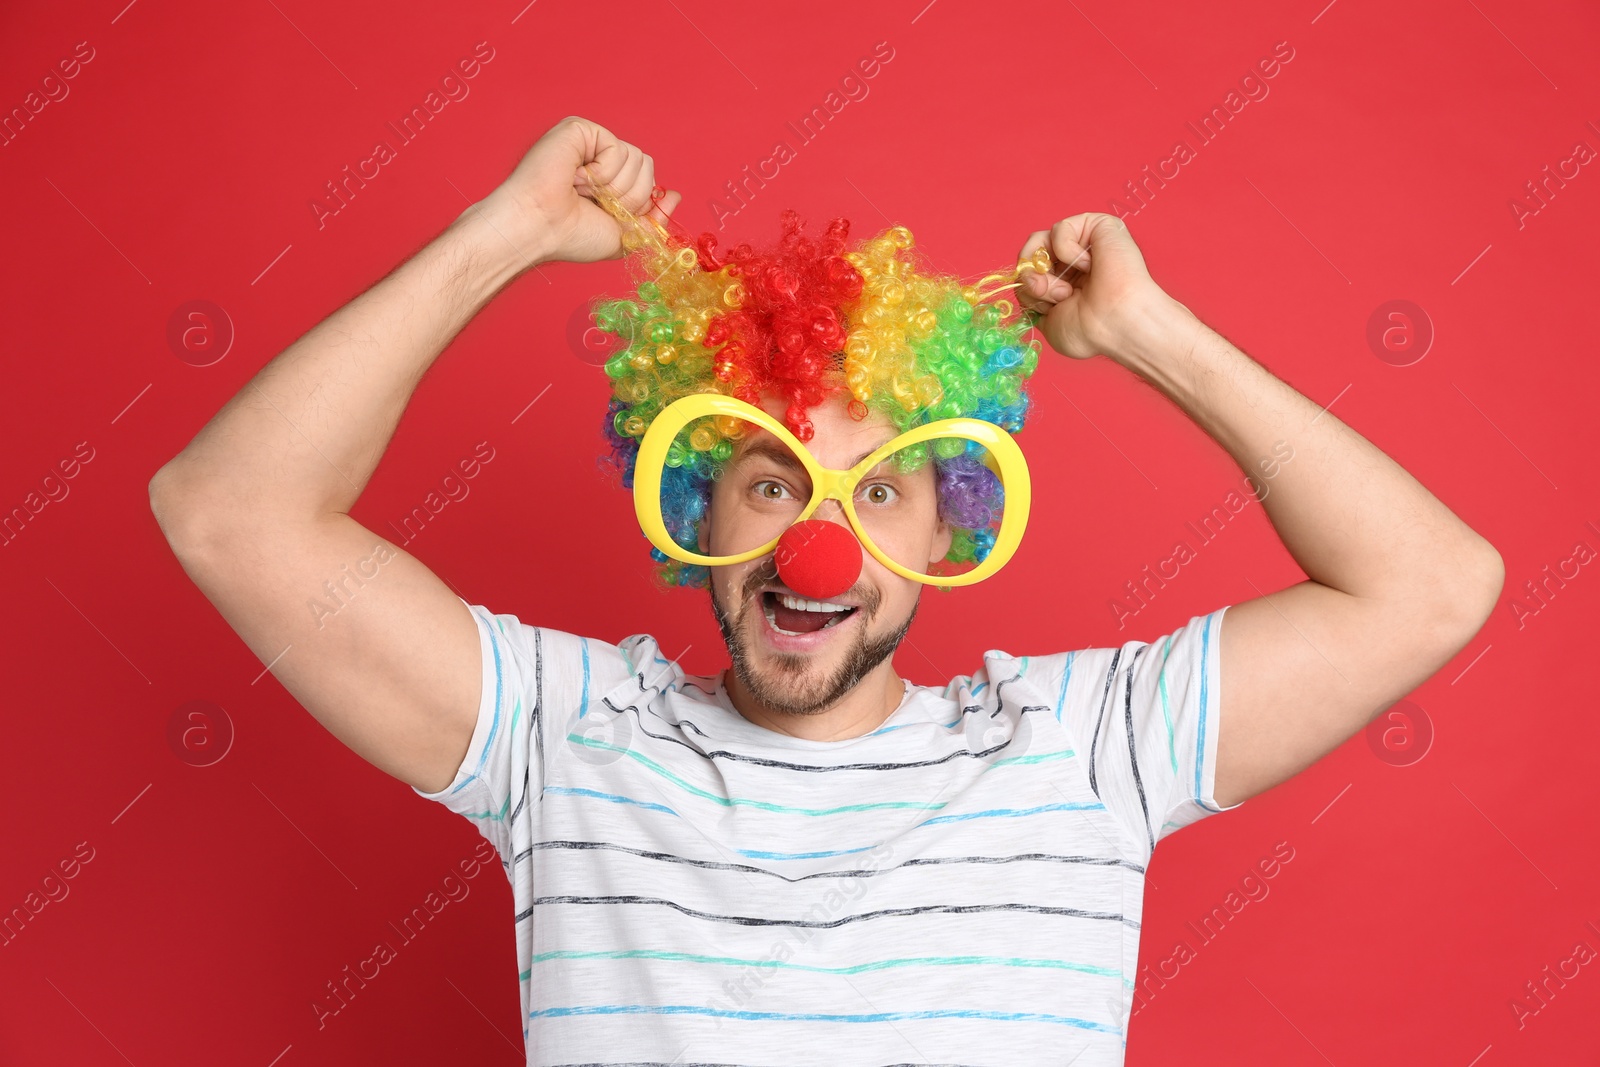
[(962, 885)]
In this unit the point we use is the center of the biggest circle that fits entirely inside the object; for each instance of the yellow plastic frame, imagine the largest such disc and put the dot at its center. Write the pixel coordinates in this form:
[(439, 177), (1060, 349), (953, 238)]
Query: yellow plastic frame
[(1003, 456)]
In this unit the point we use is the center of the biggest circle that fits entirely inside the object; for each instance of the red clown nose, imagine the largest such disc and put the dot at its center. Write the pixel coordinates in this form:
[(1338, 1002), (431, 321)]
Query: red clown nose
[(818, 559)]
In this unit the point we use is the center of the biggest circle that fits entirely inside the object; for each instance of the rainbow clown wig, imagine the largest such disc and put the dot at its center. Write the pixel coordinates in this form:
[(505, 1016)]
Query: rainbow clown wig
[(806, 319)]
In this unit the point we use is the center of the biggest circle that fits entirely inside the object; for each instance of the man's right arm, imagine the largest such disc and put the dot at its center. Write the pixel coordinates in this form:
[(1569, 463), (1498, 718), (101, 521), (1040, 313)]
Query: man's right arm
[(256, 507)]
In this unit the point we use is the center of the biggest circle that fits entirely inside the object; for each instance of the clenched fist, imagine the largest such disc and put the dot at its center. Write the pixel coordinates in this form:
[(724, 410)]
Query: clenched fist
[(1098, 295), (544, 209)]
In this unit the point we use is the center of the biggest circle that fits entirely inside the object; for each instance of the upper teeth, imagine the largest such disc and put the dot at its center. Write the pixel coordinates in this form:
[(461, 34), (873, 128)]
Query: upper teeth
[(797, 604)]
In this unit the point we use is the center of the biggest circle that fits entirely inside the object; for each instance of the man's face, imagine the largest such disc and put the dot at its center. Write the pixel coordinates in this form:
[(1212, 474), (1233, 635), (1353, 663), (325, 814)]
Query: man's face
[(811, 672)]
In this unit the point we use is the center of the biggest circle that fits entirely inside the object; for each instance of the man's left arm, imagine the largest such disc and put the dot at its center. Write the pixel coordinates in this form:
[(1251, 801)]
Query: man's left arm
[(1397, 583)]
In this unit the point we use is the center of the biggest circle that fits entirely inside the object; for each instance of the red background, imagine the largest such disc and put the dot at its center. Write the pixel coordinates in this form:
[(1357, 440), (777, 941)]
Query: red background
[(1381, 166)]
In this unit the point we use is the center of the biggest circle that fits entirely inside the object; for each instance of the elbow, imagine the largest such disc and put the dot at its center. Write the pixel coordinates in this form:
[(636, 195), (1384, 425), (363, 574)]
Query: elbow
[(164, 504), (1475, 586), (179, 511), (1489, 578), (202, 513)]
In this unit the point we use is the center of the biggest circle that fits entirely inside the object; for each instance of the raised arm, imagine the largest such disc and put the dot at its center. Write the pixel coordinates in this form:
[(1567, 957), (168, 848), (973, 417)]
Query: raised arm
[(256, 507), (1397, 583)]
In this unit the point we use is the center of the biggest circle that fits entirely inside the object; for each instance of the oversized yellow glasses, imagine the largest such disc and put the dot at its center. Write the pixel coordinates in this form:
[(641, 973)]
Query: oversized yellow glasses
[(893, 497)]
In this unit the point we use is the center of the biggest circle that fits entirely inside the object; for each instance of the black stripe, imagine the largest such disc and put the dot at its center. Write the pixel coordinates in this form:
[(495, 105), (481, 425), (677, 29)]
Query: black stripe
[(1133, 755), (684, 722), (763, 761), (522, 800), (680, 722), (1094, 741), (1000, 701), (885, 913), (921, 861)]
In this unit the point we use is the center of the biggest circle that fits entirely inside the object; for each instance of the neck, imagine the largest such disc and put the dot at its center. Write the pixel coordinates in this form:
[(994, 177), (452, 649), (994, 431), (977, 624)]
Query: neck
[(860, 711)]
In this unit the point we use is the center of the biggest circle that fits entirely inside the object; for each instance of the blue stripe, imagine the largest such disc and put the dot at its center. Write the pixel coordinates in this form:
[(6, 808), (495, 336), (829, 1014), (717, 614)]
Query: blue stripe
[(614, 798), (992, 813), (1010, 813), (494, 727), (1065, 678), (823, 1017), (760, 855), (1205, 673), (497, 816), (583, 700)]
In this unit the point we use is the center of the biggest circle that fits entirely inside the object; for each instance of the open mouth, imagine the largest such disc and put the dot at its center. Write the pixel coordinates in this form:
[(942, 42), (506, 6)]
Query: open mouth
[(792, 616)]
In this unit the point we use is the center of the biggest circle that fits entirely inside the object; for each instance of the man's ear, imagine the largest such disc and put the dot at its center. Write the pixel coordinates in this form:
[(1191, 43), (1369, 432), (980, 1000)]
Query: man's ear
[(943, 538), (702, 534)]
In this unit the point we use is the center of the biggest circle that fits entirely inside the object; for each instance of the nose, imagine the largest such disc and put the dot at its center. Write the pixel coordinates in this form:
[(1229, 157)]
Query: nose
[(818, 559)]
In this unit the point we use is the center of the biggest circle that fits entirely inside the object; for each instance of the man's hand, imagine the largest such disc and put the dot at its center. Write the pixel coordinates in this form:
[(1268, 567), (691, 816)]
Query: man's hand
[(256, 508), (1098, 295), (543, 209), (1396, 583)]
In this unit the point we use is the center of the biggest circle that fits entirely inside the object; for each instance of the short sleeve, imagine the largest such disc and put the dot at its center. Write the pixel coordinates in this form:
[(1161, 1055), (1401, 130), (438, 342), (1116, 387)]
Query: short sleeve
[(1144, 721), (534, 680)]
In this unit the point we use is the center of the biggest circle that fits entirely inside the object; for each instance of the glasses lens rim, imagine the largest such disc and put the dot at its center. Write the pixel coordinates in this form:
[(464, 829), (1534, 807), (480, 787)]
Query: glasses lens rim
[(989, 460), (1002, 455)]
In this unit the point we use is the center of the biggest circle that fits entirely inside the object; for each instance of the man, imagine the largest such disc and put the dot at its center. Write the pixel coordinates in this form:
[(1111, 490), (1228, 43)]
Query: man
[(808, 859)]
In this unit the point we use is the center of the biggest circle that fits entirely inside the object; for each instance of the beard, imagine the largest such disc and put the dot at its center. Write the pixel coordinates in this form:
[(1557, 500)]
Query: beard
[(790, 685)]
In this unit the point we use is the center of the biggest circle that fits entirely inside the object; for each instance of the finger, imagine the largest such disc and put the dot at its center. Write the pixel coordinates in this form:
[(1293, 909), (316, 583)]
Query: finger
[(1035, 293), (584, 183), (1098, 236), (637, 181), (1035, 241), (591, 140), (608, 161), (1030, 294), (1039, 293), (1046, 289), (625, 185), (666, 205), (1069, 242), (1059, 270)]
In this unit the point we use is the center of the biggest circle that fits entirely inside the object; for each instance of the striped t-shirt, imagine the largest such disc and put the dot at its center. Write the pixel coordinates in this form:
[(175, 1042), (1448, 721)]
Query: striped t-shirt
[(962, 885)]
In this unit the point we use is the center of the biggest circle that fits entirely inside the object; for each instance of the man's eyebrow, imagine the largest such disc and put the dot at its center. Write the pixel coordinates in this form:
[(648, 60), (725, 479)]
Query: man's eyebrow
[(773, 451), (783, 456)]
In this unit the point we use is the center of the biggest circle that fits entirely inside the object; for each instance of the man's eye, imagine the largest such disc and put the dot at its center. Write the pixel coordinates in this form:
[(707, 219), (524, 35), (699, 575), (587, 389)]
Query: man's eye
[(770, 490), (879, 493)]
